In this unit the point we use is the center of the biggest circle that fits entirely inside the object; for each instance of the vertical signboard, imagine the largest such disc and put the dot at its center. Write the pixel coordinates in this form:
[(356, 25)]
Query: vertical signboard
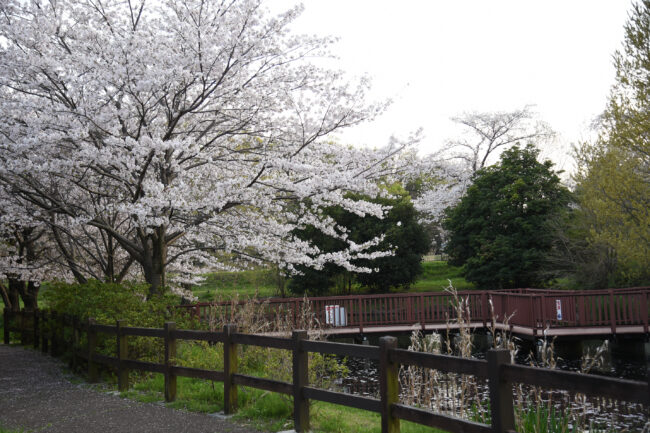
[(335, 315)]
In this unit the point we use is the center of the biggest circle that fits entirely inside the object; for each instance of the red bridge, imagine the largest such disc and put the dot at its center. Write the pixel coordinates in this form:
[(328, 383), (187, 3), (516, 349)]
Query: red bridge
[(525, 312)]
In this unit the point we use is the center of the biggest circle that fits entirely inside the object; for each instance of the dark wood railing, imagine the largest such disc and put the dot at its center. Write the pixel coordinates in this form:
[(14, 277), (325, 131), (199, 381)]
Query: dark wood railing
[(497, 369), (532, 309)]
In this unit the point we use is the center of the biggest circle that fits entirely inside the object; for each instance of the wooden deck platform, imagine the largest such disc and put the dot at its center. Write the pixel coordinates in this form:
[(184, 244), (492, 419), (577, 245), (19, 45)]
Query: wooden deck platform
[(529, 313), (521, 331)]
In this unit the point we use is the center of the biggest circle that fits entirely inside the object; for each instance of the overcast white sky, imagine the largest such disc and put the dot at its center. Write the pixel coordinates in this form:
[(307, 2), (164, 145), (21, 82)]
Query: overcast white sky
[(437, 59)]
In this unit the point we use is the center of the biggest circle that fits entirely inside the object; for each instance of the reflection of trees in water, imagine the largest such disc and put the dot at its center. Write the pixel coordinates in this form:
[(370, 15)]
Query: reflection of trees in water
[(363, 380)]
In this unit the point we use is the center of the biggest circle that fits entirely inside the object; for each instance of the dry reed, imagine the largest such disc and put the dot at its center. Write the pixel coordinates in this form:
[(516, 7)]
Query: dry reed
[(537, 410)]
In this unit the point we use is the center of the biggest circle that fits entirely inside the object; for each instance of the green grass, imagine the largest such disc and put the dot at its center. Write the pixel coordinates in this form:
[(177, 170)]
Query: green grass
[(332, 418), (226, 285), (9, 430), (436, 275), (262, 282), (262, 409)]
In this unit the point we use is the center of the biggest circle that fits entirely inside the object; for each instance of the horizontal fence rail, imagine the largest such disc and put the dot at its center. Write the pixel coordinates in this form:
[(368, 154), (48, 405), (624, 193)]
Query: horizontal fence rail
[(525, 311), (46, 330)]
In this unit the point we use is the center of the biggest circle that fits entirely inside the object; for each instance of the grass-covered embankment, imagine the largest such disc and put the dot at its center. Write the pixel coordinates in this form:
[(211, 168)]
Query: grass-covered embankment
[(247, 284), (265, 410), (435, 277)]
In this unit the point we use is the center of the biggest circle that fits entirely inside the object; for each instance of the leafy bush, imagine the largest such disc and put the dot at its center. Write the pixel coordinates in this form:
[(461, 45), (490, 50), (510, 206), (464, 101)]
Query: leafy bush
[(109, 302)]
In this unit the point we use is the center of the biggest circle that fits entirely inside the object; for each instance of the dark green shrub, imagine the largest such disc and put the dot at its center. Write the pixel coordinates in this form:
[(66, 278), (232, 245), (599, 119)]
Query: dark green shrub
[(109, 302)]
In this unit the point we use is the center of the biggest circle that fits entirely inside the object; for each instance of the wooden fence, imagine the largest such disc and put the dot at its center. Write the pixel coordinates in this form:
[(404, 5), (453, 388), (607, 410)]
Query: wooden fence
[(610, 311), (498, 371)]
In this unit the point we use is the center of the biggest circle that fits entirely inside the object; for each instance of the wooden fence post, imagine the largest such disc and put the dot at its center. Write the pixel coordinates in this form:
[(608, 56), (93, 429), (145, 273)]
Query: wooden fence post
[(300, 380), (93, 373), (44, 332), (37, 328), (485, 310), (170, 353), (23, 327), (230, 363), (296, 307), (644, 312), (122, 354), (5, 323), (533, 318), (647, 369), (75, 342), (501, 406), (360, 313), (388, 385), (612, 312), (54, 340)]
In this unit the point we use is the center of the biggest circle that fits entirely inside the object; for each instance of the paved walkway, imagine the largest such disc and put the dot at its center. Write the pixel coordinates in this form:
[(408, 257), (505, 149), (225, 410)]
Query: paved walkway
[(35, 395)]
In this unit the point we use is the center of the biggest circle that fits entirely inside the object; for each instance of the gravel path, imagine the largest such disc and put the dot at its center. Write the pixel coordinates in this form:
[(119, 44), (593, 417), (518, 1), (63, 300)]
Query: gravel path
[(35, 395)]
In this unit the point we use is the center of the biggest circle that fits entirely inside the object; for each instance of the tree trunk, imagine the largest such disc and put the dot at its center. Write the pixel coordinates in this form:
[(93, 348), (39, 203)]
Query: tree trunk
[(14, 293), (68, 255), (10, 297), (280, 282), (110, 259), (29, 294), (154, 265), (5, 296)]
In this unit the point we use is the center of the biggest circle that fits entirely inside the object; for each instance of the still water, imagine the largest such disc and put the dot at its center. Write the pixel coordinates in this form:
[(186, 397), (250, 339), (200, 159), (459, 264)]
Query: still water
[(622, 359)]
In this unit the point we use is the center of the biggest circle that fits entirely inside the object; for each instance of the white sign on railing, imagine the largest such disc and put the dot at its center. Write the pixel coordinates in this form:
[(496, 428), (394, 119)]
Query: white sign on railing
[(558, 309), (335, 315)]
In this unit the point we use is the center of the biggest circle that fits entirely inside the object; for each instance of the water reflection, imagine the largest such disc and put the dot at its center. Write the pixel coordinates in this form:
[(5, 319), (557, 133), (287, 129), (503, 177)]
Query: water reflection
[(615, 415)]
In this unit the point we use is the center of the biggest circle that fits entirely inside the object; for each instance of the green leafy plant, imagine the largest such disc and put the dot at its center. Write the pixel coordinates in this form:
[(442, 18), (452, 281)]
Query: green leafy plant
[(499, 229), (109, 302)]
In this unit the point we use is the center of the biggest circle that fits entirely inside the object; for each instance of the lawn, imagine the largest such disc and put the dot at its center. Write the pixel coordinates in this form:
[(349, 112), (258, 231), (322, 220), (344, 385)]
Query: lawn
[(436, 276), (226, 285), (263, 282), (264, 410)]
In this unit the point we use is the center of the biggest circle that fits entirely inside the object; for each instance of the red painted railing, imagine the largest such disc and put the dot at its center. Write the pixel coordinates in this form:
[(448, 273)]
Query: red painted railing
[(611, 308), (534, 309)]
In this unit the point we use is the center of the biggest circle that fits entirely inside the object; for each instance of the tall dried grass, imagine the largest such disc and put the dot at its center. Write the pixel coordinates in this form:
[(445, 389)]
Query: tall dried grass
[(447, 393), (537, 410), (255, 316), (259, 316)]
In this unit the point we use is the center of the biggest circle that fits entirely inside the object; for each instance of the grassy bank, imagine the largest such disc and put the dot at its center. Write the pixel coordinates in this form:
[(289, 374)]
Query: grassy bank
[(435, 277), (264, 410), (226, 285)]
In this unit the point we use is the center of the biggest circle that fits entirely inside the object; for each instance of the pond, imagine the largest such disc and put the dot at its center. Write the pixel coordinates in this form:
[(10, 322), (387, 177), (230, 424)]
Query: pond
[(621, 359)]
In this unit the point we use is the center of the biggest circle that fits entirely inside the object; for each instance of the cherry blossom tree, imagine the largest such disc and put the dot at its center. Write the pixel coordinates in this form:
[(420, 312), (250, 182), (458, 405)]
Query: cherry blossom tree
[(24, 253), (441, 190), (184, 131), (484, 136)]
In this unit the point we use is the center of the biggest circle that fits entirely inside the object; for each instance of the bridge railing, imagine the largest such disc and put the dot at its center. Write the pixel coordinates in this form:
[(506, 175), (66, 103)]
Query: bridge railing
[(366, 310), (556, 309), (48, 332), (531, 308)]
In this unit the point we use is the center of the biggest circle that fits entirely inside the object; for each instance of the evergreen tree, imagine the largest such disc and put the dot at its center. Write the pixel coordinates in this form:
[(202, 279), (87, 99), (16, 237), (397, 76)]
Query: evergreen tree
[(403, 235), (498, 230)]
